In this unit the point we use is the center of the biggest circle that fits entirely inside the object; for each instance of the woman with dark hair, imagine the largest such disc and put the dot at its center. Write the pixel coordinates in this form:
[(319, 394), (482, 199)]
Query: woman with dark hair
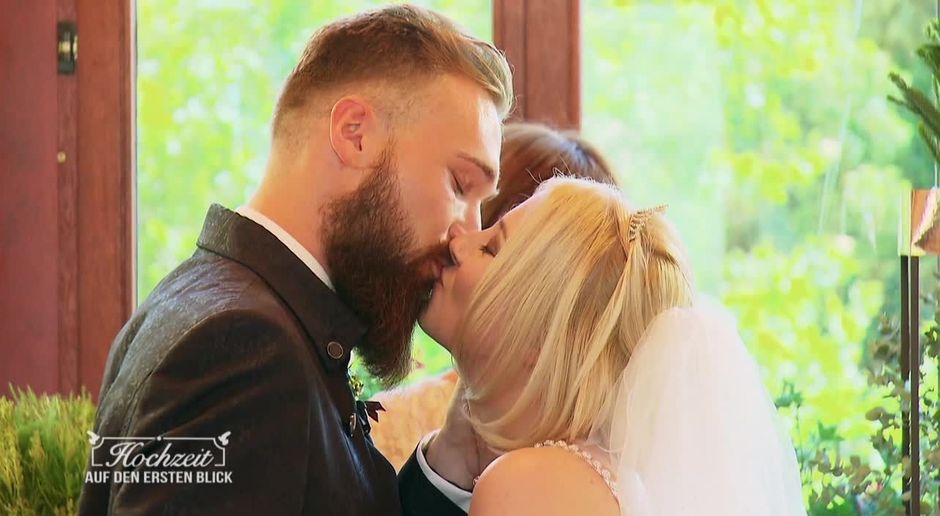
[(531, 154)]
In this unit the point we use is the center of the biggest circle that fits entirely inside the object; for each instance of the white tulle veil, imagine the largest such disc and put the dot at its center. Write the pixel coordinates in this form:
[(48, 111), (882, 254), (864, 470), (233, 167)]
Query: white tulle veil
[(692, 429)]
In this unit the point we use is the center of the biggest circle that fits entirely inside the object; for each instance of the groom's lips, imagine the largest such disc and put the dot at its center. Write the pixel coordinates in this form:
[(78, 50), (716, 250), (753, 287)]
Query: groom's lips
[(445, 272), (435, 270), (439, 266)]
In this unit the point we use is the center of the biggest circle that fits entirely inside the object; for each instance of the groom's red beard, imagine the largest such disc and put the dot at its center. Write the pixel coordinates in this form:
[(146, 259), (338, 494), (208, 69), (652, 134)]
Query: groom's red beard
[(369, 249)]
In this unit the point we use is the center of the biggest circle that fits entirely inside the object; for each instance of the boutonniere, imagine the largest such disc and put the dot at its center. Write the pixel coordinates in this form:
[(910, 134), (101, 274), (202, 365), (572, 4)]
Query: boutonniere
[(356, 385), (372, 408)]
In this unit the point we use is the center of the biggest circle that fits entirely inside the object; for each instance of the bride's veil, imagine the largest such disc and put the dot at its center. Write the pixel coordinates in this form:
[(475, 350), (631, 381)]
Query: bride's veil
[(692, 429)]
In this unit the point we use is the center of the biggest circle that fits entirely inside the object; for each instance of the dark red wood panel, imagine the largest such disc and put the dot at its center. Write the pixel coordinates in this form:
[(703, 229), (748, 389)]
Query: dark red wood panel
[(29, 245), (67, 224), (66, 192)]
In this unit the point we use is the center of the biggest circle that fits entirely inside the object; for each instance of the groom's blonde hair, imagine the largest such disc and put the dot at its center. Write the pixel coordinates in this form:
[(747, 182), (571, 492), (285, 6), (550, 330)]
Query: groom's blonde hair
[(566, 302)]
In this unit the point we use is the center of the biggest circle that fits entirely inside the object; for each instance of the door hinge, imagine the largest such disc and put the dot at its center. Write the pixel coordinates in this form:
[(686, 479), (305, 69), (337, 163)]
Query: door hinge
[(67, 47)]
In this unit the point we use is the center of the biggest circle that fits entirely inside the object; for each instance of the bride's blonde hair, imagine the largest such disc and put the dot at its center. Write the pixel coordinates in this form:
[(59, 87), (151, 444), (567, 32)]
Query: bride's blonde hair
[(568, 297)]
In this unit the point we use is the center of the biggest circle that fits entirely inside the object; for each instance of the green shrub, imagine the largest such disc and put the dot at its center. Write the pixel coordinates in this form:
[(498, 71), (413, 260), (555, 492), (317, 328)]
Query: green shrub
[(43, 452)]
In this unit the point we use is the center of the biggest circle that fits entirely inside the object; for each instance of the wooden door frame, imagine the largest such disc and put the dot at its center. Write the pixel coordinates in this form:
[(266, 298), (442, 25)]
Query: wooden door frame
[(542, 39), (97, 249)]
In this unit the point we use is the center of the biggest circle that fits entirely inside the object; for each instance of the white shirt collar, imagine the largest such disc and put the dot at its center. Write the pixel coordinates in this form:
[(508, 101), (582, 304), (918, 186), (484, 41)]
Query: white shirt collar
[(299, 250), (458, 496)]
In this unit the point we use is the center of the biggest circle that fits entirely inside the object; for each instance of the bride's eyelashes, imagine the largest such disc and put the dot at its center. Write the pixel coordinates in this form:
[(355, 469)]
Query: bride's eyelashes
[(489, 249)]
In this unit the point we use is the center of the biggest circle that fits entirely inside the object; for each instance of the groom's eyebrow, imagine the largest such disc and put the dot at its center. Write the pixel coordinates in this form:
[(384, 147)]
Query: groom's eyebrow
[(487, 170), (502, 228)]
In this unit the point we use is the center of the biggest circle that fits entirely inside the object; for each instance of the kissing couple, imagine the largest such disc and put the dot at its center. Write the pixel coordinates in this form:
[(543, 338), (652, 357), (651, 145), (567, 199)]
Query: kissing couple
[(594, 380)]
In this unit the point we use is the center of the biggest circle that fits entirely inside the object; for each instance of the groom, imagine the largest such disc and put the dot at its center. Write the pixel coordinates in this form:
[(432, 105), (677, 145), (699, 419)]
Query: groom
[(386, 140)]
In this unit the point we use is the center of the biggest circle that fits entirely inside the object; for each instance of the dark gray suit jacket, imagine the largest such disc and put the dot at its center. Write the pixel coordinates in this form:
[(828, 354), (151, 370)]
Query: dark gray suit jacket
[(242, 337)]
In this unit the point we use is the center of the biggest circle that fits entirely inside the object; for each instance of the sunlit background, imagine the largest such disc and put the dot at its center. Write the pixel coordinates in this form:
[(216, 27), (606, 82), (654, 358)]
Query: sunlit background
[(764, 125)]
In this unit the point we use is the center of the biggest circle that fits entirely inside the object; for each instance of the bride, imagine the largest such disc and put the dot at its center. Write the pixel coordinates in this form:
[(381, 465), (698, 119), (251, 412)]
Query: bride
[(595, 381)]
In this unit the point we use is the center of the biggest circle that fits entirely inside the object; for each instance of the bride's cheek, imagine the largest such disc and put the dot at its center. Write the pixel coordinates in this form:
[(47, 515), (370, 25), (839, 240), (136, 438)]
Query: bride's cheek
[(465, 285)]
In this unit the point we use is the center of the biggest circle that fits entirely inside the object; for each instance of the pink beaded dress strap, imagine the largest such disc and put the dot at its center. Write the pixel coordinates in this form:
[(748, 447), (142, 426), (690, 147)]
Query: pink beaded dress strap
[(587, 457)]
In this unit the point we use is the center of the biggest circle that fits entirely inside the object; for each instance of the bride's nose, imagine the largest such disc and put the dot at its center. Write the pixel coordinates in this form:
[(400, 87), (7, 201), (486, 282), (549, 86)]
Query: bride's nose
[(456, 243)]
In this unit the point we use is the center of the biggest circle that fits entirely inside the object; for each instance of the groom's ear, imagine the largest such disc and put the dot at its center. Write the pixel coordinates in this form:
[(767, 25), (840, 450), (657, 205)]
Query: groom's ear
[(354, 132)]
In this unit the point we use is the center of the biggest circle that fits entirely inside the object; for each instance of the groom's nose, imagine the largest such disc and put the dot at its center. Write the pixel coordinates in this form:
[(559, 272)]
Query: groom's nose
[(472, 219), (455, 230)]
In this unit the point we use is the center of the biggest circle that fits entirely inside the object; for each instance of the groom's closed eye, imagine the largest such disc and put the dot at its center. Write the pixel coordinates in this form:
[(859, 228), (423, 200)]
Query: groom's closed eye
[(478, 176), (456, 185)]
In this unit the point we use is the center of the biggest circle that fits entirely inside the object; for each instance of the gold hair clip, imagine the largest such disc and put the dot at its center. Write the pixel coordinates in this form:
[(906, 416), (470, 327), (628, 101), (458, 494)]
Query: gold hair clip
[(639, 218)]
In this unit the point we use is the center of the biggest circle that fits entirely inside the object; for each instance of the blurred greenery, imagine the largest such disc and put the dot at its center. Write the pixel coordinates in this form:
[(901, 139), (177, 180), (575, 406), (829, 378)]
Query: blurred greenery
[(764, 125)]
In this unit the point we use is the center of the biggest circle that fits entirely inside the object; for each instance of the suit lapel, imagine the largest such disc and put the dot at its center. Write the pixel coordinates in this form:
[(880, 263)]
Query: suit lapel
[(333, 327)]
